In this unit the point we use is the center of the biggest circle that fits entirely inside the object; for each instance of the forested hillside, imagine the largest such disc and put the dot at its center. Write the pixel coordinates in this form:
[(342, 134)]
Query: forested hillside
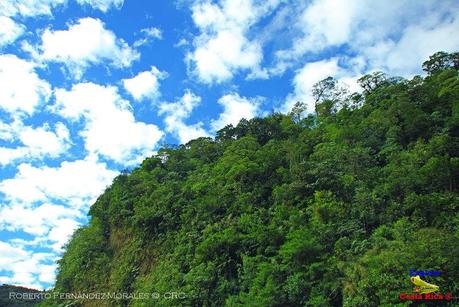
[(14, 296), (327, 209)]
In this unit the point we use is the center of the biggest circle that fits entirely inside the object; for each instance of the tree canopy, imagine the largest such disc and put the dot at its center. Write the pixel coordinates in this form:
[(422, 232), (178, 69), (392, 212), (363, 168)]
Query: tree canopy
[(326, 209)]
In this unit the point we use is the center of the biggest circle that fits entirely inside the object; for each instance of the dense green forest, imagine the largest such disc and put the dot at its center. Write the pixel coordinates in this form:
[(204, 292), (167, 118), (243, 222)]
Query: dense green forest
[(325, 209)]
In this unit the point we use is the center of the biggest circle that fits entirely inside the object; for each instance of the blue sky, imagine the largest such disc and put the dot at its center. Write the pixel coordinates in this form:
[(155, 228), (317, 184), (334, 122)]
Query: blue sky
[(91, 87)]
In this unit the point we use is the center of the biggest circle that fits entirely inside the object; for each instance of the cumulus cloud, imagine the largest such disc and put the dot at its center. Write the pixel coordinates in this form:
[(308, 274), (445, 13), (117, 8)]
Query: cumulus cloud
[(321, 24), (9, 155), (223, 47), (85, 43), (28, 269), (42, 140), (37, 221), (32, 8), (7, 130), (29, 8), (378, 35), (417, 42), (236, 108), (36, 143), (103, 5), (48, 203), (8, 252), (387, 36), (9, 30), (61, 231), (145, 84), (110, 131), (77, 183), (177, 112), (21, 89)]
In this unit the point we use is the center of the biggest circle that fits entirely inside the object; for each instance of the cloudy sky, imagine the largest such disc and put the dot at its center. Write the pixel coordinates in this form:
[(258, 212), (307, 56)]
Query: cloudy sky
[(91, 87)]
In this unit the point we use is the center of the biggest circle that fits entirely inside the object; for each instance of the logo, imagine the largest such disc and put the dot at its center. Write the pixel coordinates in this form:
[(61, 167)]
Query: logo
[(424, 290), (422, 286), (424, 273)]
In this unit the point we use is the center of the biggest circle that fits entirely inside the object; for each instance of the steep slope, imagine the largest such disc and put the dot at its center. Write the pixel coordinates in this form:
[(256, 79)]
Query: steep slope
[(330, 209)]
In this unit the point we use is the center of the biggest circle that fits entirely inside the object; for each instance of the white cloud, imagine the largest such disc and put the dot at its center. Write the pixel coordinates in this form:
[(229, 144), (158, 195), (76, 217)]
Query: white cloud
[(9, 31), (29, 205), (417, 42), (11, 260), (37, 221), (149, 35), (37, 143), (21, 89), (85, 43), (28, 8), (228, 51), (9, 155), (152, 32), (145, 84), (110, 129), (42, 140), (223, 48), (177, 112), (7, 130), (103, 5), (382, 36), (47, 273), (388, 36), (32, 8), (61, 232), (323, 24), (78, 183), (235, 109), (8, 252), (28, 269)]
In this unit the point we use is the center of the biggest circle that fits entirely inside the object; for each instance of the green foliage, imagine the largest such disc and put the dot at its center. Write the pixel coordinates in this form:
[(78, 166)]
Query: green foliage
[(14, 296), (328, 209), (441, 61)]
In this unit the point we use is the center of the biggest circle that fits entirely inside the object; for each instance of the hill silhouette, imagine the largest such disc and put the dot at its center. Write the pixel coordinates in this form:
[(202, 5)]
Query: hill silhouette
[(12, 296)]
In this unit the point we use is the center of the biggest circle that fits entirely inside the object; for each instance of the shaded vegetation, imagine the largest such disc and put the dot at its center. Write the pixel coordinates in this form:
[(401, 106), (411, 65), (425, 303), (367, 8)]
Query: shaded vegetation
[(14, 296), (328, 209)]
